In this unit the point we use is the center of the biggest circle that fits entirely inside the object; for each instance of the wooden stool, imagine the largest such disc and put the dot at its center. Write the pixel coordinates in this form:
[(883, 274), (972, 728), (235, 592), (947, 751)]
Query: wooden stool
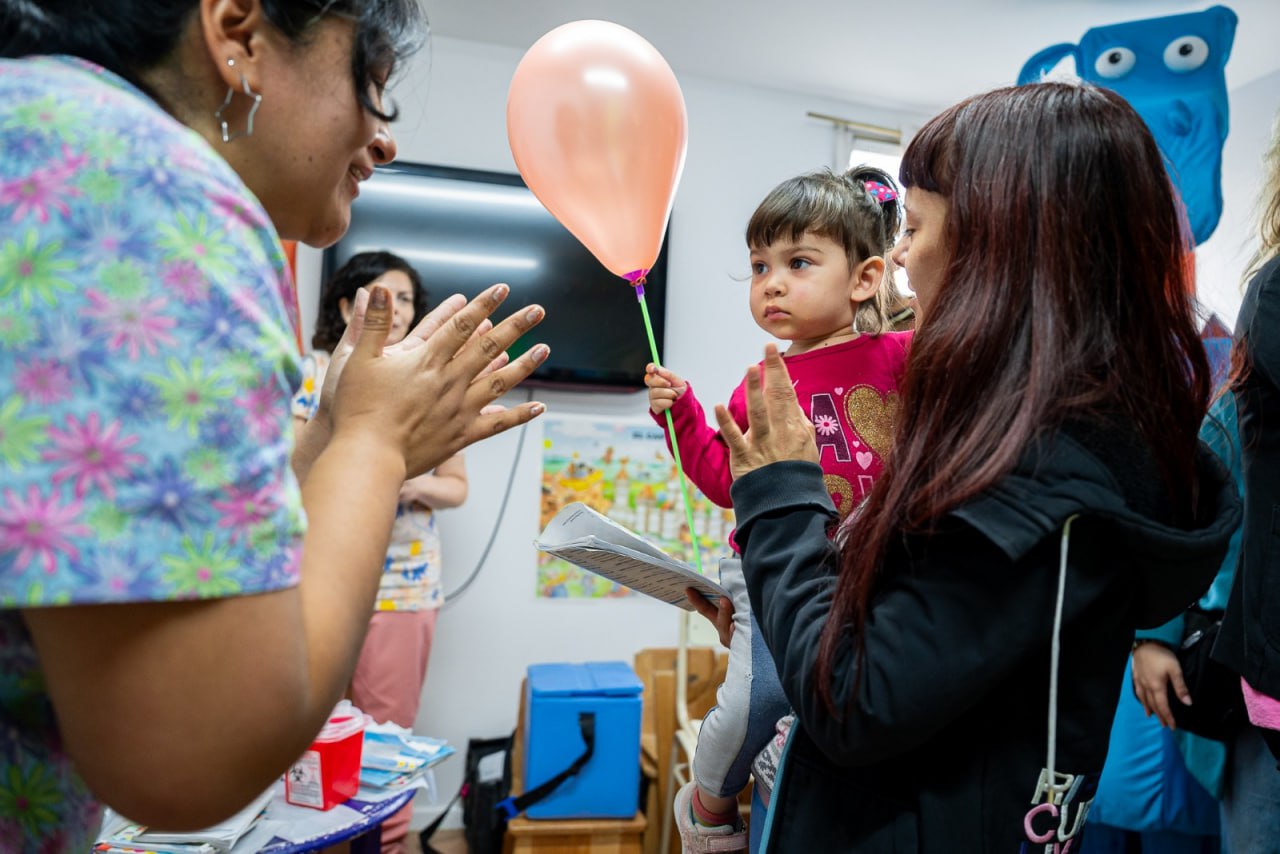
[(575, 836), (569, 835)]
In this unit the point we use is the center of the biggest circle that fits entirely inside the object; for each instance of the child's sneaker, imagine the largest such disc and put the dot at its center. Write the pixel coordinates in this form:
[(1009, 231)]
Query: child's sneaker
[(698, 838)]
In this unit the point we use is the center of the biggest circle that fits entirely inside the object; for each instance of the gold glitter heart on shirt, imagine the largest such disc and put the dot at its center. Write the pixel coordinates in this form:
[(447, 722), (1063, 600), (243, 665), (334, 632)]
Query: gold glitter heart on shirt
[(841, 493), (872, 416)]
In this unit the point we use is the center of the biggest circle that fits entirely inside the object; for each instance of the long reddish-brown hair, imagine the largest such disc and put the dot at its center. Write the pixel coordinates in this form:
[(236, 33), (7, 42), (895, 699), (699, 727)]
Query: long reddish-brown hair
[(1065, 296)]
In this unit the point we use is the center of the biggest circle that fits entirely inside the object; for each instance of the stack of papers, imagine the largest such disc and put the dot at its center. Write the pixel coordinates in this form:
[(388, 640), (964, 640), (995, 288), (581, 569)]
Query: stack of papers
[(598, 544), (394, 758), (121, 836)]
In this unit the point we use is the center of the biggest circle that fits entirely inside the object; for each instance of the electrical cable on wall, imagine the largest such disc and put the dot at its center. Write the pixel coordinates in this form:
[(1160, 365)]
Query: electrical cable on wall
[(451, 596)]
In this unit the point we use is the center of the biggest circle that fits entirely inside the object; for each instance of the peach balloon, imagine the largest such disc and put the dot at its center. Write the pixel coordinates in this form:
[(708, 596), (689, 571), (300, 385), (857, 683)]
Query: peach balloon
[(598, 128)]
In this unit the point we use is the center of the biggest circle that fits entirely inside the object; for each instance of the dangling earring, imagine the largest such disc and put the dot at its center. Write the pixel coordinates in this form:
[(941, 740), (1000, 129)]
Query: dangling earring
[(227, 135)]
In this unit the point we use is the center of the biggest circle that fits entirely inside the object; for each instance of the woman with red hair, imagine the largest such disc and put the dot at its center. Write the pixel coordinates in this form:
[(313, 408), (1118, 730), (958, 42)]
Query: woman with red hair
[(954, 660)]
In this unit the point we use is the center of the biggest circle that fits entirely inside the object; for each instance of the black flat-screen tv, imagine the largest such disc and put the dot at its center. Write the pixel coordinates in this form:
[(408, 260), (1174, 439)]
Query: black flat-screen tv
[(465, 229)]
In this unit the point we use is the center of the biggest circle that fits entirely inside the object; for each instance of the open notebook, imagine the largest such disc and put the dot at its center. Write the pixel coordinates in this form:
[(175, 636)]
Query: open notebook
[(598, 544)]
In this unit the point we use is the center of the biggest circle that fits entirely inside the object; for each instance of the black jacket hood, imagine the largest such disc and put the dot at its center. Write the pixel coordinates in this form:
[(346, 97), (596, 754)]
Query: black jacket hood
[(1058, 478)]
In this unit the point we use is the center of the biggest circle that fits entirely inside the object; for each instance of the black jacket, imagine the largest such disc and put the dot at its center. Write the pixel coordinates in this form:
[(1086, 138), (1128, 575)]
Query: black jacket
[(943, 742), (1249, 641)]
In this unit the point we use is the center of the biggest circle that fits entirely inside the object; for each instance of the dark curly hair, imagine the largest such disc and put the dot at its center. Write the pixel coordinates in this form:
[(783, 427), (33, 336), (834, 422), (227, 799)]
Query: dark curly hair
[(360, 270), (129, 37)]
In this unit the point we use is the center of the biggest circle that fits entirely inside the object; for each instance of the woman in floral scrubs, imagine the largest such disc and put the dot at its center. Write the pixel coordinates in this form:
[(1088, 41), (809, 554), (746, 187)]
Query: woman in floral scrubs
[(172, 632)]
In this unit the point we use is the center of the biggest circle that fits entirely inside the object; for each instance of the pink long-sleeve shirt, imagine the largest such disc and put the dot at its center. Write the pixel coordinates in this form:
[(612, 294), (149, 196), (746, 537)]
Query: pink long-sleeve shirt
[(850, 390)]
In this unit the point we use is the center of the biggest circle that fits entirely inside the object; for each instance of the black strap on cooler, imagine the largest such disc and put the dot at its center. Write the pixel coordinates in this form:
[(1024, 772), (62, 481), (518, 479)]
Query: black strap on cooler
[(512, 807)]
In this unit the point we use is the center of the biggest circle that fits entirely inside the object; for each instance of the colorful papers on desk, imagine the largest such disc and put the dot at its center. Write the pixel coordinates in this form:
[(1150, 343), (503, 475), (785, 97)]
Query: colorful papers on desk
[(394, 758), (121, 836)]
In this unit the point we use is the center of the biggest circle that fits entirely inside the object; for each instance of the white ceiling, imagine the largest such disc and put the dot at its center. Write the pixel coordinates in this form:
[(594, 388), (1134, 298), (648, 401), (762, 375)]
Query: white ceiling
[(922, 55)]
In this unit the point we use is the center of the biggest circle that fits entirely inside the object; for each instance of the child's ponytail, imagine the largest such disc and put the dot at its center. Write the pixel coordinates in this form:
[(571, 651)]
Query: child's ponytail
[(891, 308), (884, 192)]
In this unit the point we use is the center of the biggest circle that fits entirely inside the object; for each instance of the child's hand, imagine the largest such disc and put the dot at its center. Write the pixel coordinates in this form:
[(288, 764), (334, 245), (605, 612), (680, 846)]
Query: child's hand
[(665, 388)]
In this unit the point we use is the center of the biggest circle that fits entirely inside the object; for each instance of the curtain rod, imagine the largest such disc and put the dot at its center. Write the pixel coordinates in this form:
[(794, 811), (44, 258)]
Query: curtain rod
[(861, 129)]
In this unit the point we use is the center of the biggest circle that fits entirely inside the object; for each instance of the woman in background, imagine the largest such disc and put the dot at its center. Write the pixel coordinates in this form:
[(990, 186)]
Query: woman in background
[(1249, 640), (387, 684)]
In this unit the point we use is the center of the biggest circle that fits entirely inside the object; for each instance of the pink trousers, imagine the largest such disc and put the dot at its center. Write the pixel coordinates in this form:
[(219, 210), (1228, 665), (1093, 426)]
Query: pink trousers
[(387, 686)]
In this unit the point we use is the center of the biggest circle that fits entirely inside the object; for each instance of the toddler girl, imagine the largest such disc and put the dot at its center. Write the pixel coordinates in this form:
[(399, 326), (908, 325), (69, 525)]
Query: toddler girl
[(818, 245)]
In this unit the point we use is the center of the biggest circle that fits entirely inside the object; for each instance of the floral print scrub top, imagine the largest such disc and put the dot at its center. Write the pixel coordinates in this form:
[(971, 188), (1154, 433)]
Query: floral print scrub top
[(147, 362)]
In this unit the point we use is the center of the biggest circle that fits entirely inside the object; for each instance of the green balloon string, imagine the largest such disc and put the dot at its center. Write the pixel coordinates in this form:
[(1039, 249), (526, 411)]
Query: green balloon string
[(671, 431)]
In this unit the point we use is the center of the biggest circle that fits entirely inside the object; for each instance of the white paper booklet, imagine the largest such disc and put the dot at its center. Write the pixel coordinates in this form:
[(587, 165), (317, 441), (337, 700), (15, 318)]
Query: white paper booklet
[(120, 834), (598, 544)]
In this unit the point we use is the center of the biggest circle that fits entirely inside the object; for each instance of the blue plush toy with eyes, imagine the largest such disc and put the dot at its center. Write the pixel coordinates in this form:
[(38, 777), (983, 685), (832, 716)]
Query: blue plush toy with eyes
[(1171, 70)]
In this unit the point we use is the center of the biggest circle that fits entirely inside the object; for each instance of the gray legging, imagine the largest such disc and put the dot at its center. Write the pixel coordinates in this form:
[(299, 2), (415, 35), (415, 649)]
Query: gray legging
[(748, 704)]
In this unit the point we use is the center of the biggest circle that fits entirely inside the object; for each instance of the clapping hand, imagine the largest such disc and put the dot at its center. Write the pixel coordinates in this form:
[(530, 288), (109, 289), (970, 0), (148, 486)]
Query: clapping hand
[(777, 430), (417, 337), (433, 394)]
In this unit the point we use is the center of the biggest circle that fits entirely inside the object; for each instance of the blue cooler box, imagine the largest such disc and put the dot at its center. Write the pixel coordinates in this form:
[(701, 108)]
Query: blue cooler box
[(608, 786)]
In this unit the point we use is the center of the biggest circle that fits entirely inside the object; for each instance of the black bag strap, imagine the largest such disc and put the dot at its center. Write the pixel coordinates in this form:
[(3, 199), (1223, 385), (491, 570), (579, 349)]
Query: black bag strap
[(512, 807), (424, 838), (481, 747)]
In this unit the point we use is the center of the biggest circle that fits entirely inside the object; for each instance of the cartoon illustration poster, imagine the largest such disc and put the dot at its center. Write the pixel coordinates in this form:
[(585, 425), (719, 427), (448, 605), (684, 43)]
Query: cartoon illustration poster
[(623, 470)]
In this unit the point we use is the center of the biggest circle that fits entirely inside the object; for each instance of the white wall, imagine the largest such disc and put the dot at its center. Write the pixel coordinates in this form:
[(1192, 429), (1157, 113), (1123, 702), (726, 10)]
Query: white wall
[(1222, 258), (741, 143)]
